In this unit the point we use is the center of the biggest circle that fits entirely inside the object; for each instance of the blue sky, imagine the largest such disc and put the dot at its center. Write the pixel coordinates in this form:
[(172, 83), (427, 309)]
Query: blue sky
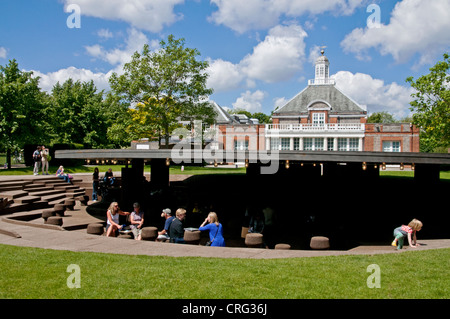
[(261, 52)]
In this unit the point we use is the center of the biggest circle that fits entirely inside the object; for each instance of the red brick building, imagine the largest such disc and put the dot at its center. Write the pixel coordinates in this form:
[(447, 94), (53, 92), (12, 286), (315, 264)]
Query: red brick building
[(319, 118)]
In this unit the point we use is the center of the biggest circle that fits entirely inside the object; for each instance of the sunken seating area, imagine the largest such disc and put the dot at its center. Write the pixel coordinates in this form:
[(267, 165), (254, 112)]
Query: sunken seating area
[(40, 192)]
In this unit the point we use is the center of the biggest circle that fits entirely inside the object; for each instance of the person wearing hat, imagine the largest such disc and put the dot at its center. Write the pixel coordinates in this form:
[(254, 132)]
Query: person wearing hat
[(163, 235), (136, 221)]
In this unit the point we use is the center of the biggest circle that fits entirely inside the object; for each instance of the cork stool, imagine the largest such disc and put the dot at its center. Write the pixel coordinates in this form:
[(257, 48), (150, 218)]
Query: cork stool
[(283, 246), (95, 229), (192, 237), (48, 213), (319, 242), (59, 209), (54, 220), (149, 233), (69, 203), (254, 240)]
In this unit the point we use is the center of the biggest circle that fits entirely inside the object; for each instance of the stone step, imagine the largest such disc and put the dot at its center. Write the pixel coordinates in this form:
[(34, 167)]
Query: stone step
[(27, 199), (10, 188), (54, 197), (48, 192), (11, 195)]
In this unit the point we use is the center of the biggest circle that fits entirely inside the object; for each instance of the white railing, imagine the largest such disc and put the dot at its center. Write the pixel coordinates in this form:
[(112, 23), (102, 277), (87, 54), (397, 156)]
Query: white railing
[(322, 82), (341, 127)]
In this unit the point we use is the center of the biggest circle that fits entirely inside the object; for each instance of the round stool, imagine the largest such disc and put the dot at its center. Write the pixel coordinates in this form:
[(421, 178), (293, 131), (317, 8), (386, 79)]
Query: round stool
[(48, 213), (320, 242), (283, 246), (192, 237), (254, 240), (54, 220), (244, 232), (59, 209), (95, 229), (69, 203), (149, 233)]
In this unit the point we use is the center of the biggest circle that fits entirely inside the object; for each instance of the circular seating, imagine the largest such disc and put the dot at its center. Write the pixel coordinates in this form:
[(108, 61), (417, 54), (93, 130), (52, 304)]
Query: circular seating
[(192, 237), (254, 240), (149, 233), (54, 220), (319, 242), (95, 229), (48, 213), (69, 203), (283, 246)]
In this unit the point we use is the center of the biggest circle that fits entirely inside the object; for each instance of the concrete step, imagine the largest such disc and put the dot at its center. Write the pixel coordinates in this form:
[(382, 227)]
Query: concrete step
[(24, 207), (54, 197), (33, 186), (11, 195), (27, 199), (10, 188), (48, 192)]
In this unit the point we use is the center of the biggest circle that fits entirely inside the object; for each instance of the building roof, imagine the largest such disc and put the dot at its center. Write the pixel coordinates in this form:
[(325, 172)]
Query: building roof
[(328, 96), (222, 116)]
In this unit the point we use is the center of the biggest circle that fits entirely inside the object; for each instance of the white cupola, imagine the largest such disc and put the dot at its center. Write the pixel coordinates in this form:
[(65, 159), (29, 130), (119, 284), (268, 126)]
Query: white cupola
[(322, 76)]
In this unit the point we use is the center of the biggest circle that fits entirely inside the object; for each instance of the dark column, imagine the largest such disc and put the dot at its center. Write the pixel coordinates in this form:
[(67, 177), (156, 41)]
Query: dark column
[(159, 173), (132, 183), (427, 173)]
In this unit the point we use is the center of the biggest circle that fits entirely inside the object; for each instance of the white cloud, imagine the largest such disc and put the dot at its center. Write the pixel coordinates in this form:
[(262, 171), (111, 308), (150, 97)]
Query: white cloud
[(48, 80), (135, 42), (250, 101), (3, 53), (224, 75), (374, 93), (278, 58), (104, 33), (416, 26), (150, 15), (242, 16)]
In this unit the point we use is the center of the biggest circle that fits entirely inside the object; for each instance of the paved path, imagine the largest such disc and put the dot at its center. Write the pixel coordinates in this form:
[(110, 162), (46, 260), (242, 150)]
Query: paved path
[(80, 241)]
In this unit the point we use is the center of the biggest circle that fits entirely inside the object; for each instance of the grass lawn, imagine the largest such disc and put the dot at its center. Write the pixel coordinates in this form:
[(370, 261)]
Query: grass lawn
[(188, 170), (38, 273)]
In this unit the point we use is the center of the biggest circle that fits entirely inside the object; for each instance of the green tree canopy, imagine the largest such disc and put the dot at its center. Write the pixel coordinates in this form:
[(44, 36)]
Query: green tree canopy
[(79, 114), (22, 109), (170, 84), (432, 105)]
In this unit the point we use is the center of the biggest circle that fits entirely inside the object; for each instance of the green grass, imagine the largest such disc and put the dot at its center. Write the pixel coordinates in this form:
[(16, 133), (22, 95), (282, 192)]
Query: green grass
[(38, 273), (188, 170)]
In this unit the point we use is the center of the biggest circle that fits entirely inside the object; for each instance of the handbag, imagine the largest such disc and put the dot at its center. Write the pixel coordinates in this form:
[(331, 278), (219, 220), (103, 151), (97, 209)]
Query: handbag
[(209, 242)]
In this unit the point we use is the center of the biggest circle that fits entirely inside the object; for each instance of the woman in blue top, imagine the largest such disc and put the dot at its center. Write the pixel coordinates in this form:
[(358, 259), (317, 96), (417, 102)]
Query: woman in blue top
[(215, 230)]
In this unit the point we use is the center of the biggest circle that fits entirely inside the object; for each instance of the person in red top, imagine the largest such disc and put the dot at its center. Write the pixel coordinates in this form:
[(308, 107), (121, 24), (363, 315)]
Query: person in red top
[(407, 231)]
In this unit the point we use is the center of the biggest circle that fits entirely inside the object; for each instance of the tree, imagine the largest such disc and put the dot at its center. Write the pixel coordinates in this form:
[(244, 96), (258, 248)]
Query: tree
[(170, 84), (79, 114), (22, 110), (432, 105), (381, 117)]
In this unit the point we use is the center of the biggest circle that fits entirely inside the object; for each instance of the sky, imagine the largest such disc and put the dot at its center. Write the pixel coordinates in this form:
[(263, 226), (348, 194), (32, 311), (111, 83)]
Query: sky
[(261, 53)]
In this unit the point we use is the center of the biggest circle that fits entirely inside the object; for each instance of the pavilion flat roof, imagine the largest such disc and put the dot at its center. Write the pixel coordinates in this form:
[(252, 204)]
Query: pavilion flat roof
[(197, 155)]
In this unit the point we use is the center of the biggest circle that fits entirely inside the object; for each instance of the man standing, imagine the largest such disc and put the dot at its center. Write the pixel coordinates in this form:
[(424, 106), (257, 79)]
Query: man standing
[(37, 160), (176, 231), (44, 157)]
